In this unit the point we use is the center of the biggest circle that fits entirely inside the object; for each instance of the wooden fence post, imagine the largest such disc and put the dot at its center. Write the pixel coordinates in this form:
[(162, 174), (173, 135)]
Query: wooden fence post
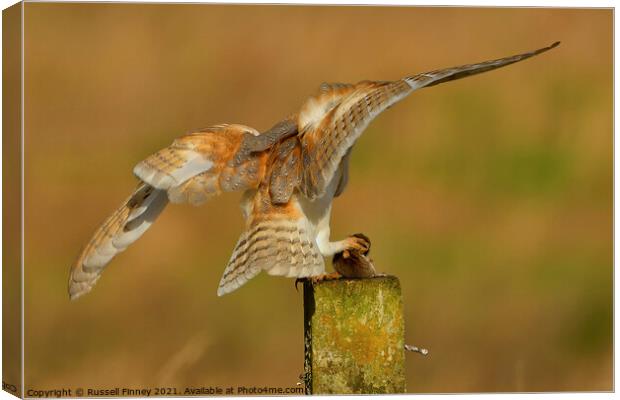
[(354, 336)]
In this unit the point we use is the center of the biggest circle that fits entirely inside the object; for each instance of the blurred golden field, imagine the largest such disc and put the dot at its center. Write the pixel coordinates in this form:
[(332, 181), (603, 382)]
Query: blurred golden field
[(490, 198)]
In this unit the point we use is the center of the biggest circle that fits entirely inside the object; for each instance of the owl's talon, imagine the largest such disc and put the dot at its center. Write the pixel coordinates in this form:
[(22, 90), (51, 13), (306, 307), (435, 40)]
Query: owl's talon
[(318, 278), (359, 242), (354, 261), (325, 277)]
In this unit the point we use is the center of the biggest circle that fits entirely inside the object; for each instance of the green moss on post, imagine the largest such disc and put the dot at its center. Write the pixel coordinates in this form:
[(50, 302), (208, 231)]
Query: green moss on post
[(354, 336)]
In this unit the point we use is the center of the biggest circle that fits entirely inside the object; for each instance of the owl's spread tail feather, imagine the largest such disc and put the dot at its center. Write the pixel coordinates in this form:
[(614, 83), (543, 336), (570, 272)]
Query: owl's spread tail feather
[(279, 246), (118, 231)]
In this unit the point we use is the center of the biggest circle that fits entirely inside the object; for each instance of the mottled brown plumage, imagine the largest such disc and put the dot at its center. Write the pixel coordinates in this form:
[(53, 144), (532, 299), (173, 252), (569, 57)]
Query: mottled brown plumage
[(289, 174)]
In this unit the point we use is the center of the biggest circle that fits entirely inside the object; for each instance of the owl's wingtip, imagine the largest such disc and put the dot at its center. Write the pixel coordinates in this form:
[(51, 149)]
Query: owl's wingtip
[(544, 49), (75, 295), (75, 290)]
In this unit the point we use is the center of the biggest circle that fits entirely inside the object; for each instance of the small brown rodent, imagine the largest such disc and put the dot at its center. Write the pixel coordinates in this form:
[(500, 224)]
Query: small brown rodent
[(355, 263)]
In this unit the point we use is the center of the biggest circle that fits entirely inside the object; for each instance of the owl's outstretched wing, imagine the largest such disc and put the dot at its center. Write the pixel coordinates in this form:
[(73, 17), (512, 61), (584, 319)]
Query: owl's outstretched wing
[(194, 168), (203, 164), (123, 227), (330, 122)]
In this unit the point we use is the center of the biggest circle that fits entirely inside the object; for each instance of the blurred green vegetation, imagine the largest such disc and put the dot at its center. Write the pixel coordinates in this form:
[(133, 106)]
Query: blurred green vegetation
[(490, 198)]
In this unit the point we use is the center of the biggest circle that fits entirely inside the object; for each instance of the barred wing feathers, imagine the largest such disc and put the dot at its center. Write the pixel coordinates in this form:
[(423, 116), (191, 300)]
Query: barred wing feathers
[(203, 164), (193, 169), (330, 122), (119, 230)]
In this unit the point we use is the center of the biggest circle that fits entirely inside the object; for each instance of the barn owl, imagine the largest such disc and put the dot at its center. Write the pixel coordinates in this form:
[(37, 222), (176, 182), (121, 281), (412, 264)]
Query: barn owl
[(289, 176)]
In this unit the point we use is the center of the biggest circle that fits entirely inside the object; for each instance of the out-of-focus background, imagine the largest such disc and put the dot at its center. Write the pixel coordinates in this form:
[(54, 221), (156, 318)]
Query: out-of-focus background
[(490, 198)]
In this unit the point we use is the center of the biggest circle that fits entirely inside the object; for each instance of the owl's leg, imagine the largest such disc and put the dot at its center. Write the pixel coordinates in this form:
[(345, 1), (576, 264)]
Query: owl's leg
[(328, 248)]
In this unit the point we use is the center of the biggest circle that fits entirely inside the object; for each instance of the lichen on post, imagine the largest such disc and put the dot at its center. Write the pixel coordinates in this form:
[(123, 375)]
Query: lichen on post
[(354, 336)]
